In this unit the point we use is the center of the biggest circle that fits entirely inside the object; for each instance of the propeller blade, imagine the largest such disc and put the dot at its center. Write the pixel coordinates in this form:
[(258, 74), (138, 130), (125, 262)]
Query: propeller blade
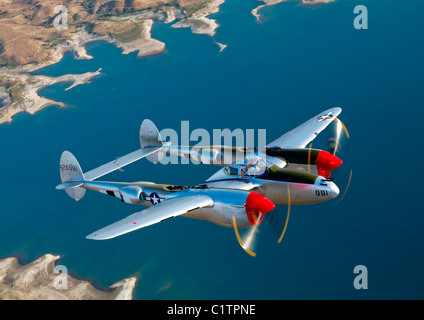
[(344, 127), (347, 187), (278, 221), (240, 241), (288, 215), (256, 207), (339, 130), (309, 157)]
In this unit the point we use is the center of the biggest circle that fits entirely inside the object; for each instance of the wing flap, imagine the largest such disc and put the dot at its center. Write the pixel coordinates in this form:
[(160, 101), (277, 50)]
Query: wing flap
[(164, 210)]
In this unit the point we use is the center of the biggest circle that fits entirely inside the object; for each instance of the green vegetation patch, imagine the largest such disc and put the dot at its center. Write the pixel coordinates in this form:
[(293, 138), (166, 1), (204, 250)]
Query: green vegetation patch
[(198, 23), (130, 35), (190, 9)]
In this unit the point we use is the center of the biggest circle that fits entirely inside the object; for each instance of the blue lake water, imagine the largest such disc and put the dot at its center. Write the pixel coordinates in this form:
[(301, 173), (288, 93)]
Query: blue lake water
[(275, 74)]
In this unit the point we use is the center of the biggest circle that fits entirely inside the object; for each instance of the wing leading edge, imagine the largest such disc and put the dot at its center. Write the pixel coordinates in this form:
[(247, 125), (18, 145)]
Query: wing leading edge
[(301, 136), (164, 210)]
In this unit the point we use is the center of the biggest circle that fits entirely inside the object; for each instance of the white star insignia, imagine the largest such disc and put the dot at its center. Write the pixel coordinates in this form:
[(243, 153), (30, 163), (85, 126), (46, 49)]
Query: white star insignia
[(155, 199)]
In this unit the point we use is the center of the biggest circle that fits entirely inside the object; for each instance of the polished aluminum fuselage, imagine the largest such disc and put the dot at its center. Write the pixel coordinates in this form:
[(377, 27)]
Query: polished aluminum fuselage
[(230, 195)]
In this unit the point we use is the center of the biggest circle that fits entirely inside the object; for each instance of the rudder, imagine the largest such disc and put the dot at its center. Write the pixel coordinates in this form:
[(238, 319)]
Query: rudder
[(70, 171), (150, 137)]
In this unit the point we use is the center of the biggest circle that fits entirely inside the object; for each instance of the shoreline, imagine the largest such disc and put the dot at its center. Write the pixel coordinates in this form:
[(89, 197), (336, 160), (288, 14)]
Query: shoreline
[(20, 90), (198, 21), (269, 3), (40, 280), (28, 87), (145, 45)]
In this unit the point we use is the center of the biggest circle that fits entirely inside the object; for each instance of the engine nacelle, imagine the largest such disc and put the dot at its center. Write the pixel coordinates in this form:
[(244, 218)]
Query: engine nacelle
[(247, 207), (131, 194), (325, 162)]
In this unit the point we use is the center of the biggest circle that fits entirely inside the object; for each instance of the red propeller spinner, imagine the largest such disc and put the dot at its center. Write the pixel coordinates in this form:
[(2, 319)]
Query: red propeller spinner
[(326, 162), (256, 206)]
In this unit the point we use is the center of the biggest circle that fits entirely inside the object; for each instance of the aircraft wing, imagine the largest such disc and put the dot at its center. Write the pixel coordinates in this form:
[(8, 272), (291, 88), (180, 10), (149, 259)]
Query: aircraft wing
[(157, 213), (301, 136)]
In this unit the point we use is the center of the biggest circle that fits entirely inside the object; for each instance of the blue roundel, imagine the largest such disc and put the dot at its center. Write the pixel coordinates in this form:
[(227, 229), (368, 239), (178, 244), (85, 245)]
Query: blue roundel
[(154, 198)]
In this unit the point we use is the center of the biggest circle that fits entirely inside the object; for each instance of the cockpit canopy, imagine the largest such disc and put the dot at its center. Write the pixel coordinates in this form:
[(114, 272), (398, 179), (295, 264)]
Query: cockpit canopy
[(253, 166)]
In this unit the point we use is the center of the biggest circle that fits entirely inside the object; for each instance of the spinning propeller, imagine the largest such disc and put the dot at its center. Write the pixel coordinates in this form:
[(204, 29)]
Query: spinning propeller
[(336, 142), (340, 131), (256, 207)]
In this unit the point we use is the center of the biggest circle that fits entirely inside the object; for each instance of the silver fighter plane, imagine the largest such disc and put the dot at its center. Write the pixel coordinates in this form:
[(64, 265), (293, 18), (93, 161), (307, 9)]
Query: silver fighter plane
[(285, 172)]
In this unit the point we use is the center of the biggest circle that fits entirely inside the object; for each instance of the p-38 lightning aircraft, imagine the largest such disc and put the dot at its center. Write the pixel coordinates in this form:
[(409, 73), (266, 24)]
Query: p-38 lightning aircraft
[(285, 172)]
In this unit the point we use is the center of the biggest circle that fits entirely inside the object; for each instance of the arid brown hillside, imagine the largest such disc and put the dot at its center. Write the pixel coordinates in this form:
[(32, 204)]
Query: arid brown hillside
[(27, 33)]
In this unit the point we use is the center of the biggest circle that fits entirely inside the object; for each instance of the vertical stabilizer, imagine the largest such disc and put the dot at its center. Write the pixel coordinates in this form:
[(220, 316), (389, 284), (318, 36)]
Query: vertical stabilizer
[(150, 137), (70, 171)]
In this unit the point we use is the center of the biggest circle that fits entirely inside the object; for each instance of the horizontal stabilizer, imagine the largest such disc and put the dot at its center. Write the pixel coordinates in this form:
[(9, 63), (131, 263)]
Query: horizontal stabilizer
[(69, 185), (150, 143), (70, 170), (119, 163)]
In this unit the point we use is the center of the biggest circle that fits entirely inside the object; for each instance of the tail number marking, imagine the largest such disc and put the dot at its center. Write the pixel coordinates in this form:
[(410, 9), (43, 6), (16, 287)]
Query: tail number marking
[(68, 167)]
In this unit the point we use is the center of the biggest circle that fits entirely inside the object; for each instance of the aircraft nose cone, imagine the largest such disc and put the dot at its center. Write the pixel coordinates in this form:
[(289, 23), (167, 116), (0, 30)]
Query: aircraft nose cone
[(326, 162), (266, 205), (334, 190), (256, 202), (256, 206), (335, 162)]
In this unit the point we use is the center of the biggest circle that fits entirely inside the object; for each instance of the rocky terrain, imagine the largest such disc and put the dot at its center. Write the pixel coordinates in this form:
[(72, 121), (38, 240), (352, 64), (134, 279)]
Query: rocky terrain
[(35, 33), (29, 30), (38, 280), (30, 39)]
